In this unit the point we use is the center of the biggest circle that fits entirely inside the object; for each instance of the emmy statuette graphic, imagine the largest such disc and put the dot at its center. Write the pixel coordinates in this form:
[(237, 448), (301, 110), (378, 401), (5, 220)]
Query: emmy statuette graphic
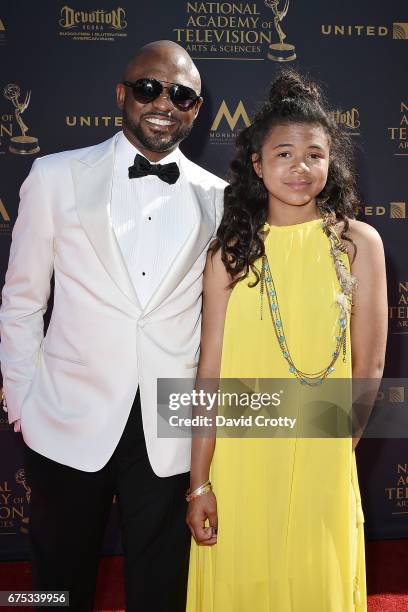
[(280, 52), (22, 145), (21, 480)]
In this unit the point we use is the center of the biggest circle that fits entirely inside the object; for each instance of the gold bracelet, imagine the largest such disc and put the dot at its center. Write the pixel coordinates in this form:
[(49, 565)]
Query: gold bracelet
[(201, 490)]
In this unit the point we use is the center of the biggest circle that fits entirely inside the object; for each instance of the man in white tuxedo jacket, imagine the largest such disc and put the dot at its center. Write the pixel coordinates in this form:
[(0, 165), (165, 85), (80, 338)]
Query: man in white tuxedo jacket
[(126, 240)]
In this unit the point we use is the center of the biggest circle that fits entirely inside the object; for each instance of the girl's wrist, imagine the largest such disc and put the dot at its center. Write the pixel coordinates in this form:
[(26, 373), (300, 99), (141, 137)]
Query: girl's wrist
[(196, 480), (202, 489)]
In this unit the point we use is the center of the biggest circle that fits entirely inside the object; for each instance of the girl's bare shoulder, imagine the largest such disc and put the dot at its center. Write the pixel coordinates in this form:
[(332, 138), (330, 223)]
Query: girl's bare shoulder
[(364, 236)]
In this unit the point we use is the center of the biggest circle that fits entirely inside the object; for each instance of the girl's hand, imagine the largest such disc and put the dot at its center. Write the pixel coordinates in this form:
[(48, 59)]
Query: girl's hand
[(199, 510)]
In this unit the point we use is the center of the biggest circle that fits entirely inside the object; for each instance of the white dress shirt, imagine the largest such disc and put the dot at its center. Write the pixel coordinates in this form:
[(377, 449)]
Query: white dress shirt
[(149, 217)]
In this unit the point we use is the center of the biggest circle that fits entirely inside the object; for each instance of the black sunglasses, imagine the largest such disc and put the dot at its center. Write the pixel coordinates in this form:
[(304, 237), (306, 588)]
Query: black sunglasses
[(147, 89)]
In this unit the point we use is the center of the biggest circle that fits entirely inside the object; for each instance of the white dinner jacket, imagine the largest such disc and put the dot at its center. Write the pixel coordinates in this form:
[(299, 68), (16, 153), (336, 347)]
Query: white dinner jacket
[(74, 388)]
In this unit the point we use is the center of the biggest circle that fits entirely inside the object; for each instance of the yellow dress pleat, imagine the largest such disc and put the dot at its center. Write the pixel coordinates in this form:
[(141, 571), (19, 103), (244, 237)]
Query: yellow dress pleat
[(290, 532)]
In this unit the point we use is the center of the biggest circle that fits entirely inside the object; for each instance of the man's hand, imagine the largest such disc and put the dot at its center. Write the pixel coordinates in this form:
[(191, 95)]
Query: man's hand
[(199, 510), (17, 423)]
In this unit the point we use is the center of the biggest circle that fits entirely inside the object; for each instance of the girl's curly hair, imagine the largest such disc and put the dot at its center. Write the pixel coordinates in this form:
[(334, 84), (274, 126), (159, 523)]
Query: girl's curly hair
[(292, 99)]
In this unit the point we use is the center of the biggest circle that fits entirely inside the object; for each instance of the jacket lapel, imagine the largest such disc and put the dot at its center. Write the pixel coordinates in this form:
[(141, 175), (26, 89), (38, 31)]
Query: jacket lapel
[(92, 176)]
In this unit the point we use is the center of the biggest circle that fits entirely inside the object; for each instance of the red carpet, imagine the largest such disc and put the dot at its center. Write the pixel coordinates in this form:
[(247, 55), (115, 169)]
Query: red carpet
[(387, 579)]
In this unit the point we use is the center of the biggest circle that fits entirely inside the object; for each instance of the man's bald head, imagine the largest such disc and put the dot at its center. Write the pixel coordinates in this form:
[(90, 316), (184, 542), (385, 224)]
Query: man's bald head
[(165, 54)]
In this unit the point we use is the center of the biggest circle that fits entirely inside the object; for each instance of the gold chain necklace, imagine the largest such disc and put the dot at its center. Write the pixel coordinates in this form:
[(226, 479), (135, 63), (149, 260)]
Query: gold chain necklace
[(343, 300)]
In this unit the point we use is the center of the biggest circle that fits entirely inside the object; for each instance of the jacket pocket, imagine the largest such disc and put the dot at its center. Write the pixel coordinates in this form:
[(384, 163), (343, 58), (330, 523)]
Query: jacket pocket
[(61, 358)]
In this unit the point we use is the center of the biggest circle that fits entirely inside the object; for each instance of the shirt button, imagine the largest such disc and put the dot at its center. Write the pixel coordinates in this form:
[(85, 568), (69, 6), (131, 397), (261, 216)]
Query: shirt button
[(143, 273), (150, 218), (141, 323)]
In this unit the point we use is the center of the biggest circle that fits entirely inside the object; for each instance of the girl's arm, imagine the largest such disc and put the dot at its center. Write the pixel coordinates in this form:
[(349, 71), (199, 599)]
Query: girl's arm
[(215, 299), (369, 319)]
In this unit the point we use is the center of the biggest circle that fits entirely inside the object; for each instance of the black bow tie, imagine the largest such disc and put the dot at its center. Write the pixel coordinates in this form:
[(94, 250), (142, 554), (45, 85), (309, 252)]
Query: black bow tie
[(168, 173)]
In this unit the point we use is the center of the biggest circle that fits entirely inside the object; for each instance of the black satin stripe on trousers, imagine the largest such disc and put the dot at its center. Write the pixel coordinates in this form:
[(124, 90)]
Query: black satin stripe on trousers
[(69, 510)]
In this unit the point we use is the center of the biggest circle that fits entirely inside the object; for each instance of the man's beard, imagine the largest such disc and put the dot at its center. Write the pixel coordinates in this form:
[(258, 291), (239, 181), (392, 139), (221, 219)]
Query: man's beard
[(157, 143)]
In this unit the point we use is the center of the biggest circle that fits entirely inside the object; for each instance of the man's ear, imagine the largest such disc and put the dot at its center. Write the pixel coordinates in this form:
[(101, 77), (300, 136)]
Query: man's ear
[(257, 165), (120, 95)]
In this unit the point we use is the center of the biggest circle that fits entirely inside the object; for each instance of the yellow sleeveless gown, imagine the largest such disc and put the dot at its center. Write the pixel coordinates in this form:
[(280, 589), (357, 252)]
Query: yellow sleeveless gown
[(290, 524)]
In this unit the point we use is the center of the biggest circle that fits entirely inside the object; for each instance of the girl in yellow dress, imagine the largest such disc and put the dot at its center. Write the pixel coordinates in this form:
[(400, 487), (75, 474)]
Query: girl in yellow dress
[(277, 523)]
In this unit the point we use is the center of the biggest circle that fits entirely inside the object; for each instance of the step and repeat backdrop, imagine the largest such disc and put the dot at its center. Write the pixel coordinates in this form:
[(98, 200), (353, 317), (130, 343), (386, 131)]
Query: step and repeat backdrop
[(59, 63)]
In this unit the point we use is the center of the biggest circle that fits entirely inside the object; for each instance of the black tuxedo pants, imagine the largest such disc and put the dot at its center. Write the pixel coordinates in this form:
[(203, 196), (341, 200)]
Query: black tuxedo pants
[(69, 511)]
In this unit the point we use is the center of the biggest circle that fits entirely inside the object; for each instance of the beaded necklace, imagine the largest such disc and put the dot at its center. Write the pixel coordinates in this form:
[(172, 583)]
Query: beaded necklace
[(343, 300)]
